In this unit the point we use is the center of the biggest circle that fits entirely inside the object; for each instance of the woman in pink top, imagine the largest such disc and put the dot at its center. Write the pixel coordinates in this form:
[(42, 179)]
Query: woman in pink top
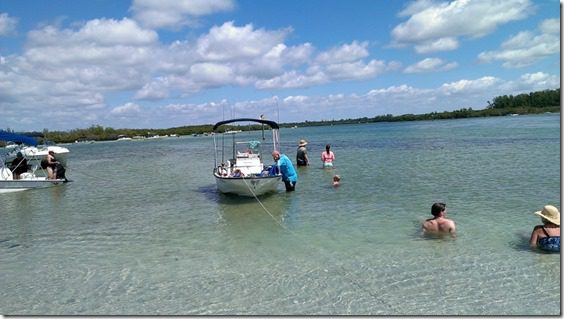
[(327, 157)]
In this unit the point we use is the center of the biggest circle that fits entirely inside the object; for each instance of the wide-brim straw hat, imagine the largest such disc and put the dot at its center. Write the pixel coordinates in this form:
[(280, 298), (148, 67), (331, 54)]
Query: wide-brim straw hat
[(302, 143), (550, 213)]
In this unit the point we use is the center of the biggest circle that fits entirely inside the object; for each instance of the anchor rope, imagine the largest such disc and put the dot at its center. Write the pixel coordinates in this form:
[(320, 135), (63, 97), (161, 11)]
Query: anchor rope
[(344, 272), (89, 175), (264, 207)]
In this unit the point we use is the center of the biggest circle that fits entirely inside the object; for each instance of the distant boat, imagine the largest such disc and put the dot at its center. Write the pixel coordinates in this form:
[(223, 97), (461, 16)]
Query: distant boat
[(123, 138), (83, 140), (11, 145), (239, 165)]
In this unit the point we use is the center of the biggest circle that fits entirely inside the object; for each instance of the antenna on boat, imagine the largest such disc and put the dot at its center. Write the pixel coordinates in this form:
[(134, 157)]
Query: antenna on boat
[(262, 126), (277, 110)]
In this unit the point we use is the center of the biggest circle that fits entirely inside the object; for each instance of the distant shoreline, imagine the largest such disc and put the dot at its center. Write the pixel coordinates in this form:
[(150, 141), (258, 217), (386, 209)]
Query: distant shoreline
[(98, 133), (447, 115)]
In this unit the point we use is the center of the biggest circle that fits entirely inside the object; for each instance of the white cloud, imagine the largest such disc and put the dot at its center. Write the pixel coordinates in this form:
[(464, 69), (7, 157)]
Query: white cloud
[(469, 85), (296, 99), (550, 26), (531, 82), (526, 48), (66, 73), (125, 109), (540, 78), (357, 70), (99, 32), (292, 79), (435, 26), (344, 53), (340, 63), (76, 68), (401, 89), (211, 73), (155, 90), (7, 24), (430, 65), (174, 14), (442, 44), (229, 42)]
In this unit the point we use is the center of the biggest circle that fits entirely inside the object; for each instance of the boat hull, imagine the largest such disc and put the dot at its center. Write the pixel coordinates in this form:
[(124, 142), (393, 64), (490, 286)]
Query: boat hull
[(9, 186), (247, 186)]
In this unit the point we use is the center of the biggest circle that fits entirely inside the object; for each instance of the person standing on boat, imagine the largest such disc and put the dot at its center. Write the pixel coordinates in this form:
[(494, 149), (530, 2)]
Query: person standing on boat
[(51, 165), (327, 157), (289, 175), (19, 165), (439, 224), (301, 155)]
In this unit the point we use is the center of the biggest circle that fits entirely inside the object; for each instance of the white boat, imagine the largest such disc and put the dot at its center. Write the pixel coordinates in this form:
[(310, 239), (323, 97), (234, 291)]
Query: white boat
[(11, 145), (35, 153), (34, 177), (124, 138), (239, 163)]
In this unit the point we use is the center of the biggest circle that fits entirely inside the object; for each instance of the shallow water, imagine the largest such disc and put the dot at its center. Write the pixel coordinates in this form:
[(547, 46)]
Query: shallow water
[(141, 230)]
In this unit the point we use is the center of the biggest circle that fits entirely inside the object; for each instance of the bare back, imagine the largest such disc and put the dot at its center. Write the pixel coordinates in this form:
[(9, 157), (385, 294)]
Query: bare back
[(439, 225)]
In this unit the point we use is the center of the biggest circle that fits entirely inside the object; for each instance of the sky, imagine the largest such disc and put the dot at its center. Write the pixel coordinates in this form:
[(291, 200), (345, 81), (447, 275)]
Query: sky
[(67, 64)]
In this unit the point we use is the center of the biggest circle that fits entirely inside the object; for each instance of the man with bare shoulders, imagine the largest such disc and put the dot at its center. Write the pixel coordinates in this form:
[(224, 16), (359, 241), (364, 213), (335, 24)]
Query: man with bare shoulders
[(439, 224)]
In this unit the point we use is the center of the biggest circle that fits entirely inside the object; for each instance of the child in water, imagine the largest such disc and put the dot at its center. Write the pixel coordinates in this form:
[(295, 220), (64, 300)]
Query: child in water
[(336, 180)]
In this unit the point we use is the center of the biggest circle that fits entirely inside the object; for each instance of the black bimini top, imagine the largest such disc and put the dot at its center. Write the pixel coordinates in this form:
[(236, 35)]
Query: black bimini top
[(272, 124)]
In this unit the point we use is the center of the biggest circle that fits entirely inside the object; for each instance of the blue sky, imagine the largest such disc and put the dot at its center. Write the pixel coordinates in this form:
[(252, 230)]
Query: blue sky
[(67, 64)]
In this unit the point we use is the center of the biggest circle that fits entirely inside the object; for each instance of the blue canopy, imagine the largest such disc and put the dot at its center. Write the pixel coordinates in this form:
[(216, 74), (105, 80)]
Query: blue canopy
[(17, 138)]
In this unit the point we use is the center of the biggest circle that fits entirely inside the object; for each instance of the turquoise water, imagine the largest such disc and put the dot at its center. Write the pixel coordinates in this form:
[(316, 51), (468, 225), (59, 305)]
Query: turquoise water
[(141, 230)]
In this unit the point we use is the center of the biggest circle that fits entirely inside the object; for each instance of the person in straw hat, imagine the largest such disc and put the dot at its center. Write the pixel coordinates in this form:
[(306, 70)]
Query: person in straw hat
[(547, 236), (301, 155)]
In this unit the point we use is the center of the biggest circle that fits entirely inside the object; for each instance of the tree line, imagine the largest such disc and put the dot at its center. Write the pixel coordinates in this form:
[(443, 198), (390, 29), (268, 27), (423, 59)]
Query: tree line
[(531, 103)]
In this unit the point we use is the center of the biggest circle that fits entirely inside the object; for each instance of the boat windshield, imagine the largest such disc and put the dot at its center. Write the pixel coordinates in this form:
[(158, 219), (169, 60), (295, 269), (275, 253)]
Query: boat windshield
[(248, 149)]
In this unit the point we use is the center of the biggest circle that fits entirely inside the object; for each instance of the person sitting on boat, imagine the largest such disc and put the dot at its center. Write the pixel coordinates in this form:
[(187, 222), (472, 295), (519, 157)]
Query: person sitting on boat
[(221, 170), (289, 175), (51, 165), (237, 173), (327, 157), (547, 236), (439, 224), (19, 165)]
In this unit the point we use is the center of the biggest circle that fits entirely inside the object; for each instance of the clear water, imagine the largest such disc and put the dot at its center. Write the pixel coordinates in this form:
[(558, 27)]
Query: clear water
[(141, 230)]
